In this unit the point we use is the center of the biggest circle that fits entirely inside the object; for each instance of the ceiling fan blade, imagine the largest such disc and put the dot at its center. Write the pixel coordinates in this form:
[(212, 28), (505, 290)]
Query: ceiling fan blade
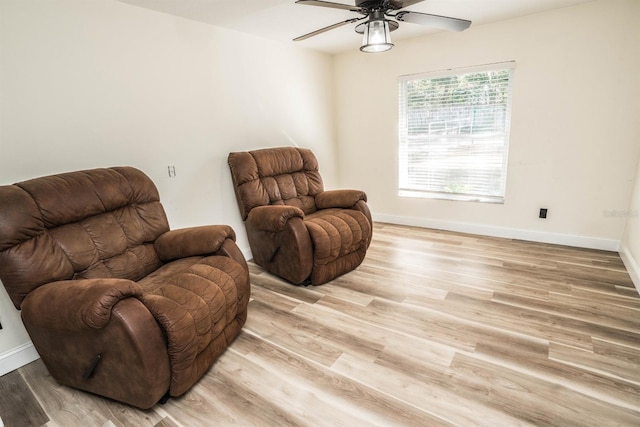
[(444, 22), (330, 4), (330, 27), (400, 4)]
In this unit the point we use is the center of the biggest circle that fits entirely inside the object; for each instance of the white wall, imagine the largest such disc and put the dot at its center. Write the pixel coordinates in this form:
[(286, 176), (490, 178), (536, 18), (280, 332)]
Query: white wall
[(96, 83), (574, 136), (630, 248)]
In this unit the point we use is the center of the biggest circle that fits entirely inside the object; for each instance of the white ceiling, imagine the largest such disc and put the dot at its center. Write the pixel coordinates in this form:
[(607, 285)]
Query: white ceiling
[(284, 20)]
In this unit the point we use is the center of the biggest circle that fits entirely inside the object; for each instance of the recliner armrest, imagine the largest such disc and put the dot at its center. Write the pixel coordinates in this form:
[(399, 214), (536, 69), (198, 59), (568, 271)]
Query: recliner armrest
[(75, 305), (273, 217), (339, 198), (193, 241)]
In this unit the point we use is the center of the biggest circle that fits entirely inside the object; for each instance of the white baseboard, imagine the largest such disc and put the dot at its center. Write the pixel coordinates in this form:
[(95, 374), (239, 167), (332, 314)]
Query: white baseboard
[(631, 264), (509, 233), (17, 357)]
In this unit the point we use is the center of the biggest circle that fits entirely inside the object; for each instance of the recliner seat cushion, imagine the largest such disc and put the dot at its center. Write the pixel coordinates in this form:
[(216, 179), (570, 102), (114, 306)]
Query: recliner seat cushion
[(195, 299), (340, 241), (336, 233)]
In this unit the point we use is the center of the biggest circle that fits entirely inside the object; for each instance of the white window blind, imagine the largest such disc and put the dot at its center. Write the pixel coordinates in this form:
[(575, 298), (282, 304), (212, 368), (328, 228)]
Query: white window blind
[(454, 133)]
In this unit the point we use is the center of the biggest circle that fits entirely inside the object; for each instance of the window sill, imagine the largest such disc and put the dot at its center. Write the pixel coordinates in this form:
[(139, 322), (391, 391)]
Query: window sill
[(450, 196)]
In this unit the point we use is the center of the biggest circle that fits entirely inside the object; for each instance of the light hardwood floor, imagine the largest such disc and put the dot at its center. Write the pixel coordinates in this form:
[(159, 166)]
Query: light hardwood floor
[(433, 329)]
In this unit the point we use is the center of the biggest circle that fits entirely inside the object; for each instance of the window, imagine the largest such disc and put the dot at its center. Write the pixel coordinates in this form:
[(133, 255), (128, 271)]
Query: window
[(454, 133)]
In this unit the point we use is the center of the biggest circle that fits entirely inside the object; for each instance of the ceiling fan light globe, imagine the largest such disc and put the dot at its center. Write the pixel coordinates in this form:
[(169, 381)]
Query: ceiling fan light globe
[(376, 48), (377, 37)]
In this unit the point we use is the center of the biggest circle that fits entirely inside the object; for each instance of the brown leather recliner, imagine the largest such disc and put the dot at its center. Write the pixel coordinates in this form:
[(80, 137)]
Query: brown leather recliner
[(297, 230), (114, 302)]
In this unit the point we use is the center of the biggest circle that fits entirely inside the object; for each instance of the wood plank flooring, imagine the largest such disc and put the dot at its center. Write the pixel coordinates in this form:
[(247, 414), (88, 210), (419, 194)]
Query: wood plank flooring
[(433, 329)]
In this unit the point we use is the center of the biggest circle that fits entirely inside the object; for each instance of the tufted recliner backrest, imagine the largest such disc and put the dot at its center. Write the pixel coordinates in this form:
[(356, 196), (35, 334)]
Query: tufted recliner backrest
[(105, 228), (276, 176)]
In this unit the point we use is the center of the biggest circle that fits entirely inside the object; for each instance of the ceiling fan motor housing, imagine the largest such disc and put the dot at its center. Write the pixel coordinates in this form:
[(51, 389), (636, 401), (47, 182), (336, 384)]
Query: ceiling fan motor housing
[(376, 4), (368, 3), (377, 15)]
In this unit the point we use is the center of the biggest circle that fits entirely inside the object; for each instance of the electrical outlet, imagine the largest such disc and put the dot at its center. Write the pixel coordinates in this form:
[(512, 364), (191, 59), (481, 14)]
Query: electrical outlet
[(172, 171), (543, 213)]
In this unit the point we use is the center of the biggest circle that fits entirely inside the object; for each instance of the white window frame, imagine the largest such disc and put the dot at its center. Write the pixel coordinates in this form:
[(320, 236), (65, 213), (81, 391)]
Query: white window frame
[(411, 185)]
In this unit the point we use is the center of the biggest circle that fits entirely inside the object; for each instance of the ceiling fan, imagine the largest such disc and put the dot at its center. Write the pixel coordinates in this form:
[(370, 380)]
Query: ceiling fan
[(377, 28)]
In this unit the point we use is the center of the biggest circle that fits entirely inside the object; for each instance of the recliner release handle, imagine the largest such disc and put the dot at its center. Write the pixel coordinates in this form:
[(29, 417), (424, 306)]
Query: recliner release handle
[(273, 255), (88, 373)]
